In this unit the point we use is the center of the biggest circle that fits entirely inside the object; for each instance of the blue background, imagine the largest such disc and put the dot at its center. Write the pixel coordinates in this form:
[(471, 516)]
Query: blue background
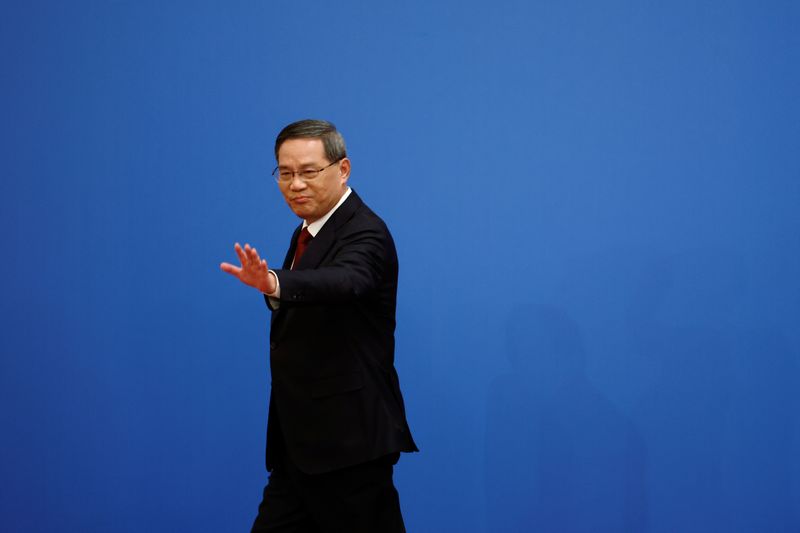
[(596, 210)]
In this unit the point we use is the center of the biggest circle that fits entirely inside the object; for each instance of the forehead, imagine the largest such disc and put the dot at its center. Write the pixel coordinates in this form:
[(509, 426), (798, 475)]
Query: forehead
[(301, 151)]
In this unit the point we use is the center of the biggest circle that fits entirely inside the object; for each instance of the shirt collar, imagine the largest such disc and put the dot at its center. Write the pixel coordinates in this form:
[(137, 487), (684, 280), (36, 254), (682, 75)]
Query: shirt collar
[(315, 226)]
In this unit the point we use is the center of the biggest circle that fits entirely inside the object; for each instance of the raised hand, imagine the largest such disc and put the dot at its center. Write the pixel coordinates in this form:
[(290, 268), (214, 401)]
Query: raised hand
[(254, 270)]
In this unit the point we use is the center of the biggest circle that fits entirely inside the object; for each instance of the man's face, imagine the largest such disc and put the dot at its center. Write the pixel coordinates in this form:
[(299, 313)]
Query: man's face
[(311, 199)]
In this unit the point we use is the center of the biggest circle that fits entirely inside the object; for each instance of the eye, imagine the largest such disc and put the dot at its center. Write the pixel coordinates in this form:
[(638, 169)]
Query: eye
[(285, 174), (309, 173)]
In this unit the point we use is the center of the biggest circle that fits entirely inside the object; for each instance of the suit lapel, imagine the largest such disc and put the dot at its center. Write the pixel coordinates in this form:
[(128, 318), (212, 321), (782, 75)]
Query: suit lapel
[(320, 245), (287, 262)]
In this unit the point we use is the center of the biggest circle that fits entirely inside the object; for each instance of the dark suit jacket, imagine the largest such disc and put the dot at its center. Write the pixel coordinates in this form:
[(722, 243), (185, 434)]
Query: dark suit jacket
[(335, 399)]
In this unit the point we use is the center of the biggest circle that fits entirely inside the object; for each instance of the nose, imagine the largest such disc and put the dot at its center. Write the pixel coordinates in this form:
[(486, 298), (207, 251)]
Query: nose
[(297, 184)]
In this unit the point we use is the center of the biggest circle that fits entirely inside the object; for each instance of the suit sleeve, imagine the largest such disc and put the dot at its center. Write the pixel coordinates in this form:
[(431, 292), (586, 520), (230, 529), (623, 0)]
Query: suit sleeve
[(360, 261)]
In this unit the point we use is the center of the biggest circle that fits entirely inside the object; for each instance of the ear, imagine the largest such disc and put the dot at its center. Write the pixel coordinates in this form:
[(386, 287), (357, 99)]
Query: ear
[(344, 170)]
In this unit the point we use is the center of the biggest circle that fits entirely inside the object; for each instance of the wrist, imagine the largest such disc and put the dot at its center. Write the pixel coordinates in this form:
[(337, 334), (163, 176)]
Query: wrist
[(271, 284)]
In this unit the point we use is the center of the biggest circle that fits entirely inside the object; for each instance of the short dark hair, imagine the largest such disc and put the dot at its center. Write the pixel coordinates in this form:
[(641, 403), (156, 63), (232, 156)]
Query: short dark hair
[(332, 140)]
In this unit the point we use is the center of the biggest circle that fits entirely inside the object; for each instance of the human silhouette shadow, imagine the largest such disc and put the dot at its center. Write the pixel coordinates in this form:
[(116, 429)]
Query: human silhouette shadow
[(560, 456), (685, 414)]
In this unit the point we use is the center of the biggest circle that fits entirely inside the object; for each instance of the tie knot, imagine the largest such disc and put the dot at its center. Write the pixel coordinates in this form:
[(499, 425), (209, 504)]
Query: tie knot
[(305, 236)]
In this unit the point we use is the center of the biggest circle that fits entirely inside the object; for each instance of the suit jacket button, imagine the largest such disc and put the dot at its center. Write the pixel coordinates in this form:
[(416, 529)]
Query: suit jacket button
[(272, 345)]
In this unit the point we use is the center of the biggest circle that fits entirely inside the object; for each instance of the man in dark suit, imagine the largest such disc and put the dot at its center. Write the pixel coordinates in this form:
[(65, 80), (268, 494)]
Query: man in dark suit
[(336, 417)]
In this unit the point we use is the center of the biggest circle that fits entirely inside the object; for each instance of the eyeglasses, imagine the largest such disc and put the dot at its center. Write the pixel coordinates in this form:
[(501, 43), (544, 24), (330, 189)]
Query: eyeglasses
[(284, 176)]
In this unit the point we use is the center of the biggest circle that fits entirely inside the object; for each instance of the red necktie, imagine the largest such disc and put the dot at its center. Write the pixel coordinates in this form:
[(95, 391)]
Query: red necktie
[(302, 241)]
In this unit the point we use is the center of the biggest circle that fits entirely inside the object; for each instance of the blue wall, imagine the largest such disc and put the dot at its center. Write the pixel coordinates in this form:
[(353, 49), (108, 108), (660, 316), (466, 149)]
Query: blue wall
[(596, 210)]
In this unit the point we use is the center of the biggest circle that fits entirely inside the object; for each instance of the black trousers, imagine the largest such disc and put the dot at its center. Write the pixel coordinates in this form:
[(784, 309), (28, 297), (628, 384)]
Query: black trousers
[(356, 499)]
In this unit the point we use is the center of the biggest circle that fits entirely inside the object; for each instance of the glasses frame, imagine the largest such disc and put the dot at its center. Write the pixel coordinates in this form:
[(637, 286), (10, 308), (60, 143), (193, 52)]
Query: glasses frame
[(277, 175)]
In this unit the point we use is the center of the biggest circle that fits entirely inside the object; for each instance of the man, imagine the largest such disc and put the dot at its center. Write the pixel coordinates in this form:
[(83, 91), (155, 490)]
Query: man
[(336, 417)]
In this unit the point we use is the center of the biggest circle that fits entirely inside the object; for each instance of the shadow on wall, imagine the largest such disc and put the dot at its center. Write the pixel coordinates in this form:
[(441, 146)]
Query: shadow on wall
[(689, 348), (559, 455), (719, 420)]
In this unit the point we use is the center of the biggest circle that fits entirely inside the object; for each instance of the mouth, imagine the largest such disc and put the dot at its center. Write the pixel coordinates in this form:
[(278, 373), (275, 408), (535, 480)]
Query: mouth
[(300, 199)]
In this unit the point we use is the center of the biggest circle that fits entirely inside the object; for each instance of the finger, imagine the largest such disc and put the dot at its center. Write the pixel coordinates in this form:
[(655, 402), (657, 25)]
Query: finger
[(230, 269), (254, 256), (249, 251), (241, 254)]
